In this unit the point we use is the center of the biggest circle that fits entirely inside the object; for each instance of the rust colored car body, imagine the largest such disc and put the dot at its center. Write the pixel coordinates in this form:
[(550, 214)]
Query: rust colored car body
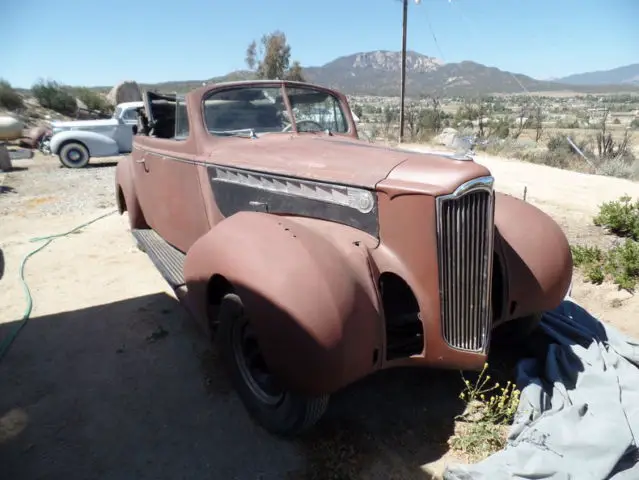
[(262, 208)]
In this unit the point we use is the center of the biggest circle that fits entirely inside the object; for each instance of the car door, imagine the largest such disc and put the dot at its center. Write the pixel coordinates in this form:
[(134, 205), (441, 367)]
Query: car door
[(123, 136), (167, 180), (126, 129)]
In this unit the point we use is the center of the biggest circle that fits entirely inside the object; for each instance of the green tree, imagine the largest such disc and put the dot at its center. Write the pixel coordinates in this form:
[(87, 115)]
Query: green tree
[(271, 59), (295, 72)]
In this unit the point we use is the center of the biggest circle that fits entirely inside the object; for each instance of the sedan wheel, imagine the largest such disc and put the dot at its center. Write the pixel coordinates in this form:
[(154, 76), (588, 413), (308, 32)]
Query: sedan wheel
[(74, 155), (278, 410)]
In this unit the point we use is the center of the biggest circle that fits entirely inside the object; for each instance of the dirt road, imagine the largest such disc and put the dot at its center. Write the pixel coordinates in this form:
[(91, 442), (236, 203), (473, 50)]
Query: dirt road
[(111, 379)]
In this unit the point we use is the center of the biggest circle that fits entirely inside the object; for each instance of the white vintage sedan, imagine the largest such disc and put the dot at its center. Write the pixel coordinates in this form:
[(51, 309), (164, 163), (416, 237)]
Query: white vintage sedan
[(75, 142)]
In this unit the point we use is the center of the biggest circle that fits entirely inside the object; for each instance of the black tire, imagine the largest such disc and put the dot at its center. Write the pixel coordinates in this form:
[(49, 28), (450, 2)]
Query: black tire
[(74, 155), (517, 330), (277, 410)]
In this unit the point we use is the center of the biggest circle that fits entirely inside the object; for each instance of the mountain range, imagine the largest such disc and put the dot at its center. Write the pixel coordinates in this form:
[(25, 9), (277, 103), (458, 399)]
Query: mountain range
[(378, 73), (621, 75)]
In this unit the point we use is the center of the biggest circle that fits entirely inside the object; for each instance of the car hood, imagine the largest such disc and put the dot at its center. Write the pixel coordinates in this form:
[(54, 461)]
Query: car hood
[(340, 160), (84, 124)]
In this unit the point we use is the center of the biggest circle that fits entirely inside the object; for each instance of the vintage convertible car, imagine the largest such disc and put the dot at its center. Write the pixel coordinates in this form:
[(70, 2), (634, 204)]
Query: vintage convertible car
[(314, 258)]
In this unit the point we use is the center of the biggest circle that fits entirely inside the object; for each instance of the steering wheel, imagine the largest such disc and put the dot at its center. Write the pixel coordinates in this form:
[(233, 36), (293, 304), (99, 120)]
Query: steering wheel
[(289, 127)]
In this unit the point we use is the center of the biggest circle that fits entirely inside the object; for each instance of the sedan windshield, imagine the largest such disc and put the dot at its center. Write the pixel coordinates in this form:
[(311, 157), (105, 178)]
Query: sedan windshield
[(255, 110)]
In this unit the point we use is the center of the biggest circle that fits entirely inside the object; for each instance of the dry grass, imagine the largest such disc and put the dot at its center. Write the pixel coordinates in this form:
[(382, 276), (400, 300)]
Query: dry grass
[(554, 150), (476, 441), (578, 134), (482, 428)]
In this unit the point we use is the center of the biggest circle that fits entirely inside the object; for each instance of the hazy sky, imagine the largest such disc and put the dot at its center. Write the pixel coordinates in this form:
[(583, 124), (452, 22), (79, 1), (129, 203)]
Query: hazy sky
[(95, 42)]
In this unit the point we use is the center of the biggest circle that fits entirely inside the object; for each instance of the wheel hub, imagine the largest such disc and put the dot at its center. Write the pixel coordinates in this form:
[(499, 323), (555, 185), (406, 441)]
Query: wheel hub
[(253, 367)]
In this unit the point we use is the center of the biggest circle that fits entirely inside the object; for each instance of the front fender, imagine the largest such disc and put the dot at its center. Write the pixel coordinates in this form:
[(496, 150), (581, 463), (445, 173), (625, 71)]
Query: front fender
[(99, 145), (535, 258), (310, 302)]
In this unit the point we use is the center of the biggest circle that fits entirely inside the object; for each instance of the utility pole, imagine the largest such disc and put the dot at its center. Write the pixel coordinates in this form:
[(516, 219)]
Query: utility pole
[(403, 87)]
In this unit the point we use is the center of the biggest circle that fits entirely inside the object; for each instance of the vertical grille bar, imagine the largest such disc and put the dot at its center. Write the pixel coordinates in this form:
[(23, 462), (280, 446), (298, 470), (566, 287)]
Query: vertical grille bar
[(465, 236)]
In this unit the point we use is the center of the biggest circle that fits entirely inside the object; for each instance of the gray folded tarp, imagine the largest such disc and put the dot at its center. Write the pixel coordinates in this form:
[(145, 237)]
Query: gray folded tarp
[(579, 412)]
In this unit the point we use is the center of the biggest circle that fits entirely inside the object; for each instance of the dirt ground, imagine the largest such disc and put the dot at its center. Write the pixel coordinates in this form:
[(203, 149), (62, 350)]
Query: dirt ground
[(111, 379)]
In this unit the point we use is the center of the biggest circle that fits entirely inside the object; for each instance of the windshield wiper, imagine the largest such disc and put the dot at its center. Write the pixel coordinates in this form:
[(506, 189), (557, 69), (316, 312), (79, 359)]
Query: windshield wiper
[(242, 132)]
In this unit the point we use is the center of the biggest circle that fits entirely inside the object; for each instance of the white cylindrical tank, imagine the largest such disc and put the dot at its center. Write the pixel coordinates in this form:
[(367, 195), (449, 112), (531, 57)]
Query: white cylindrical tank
[(10, 128)]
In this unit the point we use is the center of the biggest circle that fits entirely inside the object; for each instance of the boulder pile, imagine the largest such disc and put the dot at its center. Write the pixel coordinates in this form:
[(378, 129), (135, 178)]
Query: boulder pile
[(127, 91)]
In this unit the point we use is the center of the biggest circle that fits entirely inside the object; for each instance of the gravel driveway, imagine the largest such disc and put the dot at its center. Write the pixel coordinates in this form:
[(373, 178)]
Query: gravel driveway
[(111, 379)]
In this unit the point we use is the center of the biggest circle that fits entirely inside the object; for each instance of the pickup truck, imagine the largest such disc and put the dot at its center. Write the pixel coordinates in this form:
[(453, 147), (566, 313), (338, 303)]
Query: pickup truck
[(75, 142)]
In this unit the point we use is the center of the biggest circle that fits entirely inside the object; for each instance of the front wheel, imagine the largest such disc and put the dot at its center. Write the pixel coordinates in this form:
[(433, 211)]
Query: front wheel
[(74, 155), (278, 410)]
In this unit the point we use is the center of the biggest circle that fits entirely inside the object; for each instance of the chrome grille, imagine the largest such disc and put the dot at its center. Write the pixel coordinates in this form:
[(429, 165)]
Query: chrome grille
[(465, 239)]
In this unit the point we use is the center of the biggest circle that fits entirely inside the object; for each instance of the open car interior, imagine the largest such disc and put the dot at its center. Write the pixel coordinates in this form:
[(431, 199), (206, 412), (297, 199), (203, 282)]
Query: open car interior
[(168, 112)]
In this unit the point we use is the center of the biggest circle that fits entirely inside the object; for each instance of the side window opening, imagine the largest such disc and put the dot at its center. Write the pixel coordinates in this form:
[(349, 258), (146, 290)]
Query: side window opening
[(130, 114)]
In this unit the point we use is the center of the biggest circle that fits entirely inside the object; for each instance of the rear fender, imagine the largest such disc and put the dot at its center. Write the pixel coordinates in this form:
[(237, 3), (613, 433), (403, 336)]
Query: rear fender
[(309, 300), (535, 258), (125, 190)]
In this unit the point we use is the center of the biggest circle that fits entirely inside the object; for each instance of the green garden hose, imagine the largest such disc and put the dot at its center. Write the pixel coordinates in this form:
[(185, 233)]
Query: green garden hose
[(6, 344)]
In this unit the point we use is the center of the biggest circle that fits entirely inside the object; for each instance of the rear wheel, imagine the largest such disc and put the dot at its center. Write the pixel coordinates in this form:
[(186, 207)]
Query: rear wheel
[(278, 410), (74, 155)]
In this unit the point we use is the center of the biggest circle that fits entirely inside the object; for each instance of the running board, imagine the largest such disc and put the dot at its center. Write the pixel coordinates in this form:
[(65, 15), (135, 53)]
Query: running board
[(168, 260)]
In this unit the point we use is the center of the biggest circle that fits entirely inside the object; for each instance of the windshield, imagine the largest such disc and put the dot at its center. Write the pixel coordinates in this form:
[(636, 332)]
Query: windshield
[(255, 110), (117, 112)]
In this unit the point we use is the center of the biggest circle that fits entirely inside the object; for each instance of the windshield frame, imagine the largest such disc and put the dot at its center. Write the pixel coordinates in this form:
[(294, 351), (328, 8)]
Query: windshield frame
[(340, 103)]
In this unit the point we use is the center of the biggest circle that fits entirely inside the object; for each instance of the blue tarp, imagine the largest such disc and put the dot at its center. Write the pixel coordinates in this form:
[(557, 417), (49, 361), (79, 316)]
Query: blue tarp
[(578, 416)]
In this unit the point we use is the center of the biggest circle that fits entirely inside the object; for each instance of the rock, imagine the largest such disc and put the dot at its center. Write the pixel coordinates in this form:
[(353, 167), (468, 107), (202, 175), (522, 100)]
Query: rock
[(10, 128), (127, 91), (447, 137), (5, 159)]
